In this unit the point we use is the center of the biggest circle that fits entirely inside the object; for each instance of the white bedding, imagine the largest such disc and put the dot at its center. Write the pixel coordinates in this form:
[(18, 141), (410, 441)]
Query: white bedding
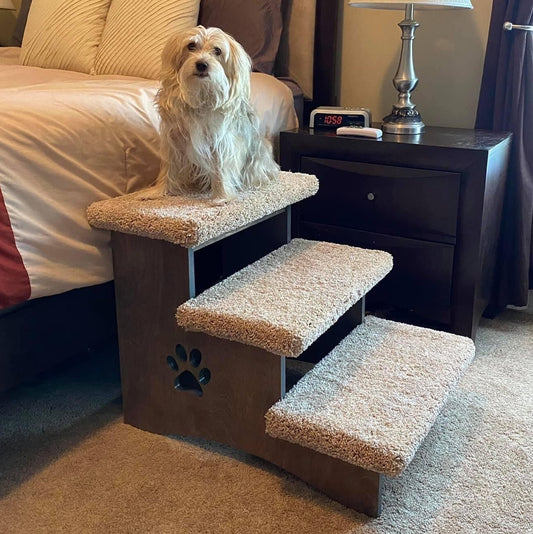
[(68, 139)]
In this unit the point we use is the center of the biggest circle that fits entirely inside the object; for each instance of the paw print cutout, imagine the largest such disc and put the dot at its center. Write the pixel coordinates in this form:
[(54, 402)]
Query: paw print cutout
[(189, 378)]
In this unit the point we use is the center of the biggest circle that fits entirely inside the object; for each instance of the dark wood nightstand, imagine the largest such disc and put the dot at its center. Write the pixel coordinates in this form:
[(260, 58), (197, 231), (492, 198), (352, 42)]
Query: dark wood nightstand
[(434, 201)]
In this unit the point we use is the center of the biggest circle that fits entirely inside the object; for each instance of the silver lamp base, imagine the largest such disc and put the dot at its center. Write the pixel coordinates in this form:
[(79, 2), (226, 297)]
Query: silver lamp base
[(403, 121), (404, 118)]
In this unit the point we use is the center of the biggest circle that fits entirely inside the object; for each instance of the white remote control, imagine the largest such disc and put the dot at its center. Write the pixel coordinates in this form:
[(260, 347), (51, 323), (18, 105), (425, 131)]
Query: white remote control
[(375, 133)]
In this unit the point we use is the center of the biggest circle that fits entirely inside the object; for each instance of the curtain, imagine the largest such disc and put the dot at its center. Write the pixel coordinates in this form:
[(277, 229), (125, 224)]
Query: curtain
[(506, 104)]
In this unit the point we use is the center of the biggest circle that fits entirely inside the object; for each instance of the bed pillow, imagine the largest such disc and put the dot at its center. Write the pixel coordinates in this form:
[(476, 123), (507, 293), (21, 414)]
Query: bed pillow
[(136, 32), (64, 34), (256, 24)]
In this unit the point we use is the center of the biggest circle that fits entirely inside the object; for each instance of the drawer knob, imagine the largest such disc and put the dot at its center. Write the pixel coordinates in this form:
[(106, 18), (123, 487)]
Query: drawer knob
[(370, 196)]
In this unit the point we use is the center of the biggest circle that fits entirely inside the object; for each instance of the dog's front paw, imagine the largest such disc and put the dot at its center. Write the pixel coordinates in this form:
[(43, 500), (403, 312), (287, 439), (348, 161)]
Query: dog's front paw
[(220, 201)]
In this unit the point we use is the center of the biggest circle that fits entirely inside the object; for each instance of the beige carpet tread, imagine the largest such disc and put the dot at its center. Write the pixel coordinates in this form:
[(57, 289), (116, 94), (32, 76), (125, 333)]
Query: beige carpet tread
[(287, 299), (372, 400), (191, 221)]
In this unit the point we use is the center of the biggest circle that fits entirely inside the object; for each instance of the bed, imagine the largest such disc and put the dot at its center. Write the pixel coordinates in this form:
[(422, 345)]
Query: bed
[(78, 124)]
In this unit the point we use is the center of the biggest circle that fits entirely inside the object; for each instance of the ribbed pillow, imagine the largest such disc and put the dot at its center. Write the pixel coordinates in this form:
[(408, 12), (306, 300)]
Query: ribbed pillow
[(64, 34), (136, 32)]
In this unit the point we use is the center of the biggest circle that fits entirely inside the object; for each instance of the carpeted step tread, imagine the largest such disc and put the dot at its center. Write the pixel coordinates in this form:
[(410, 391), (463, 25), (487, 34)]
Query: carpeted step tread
[(372, 400), (287, 299), (191, 221)]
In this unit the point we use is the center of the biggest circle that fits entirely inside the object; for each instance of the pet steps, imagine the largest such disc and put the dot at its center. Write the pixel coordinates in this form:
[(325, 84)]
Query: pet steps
[(373, 399), (283, 302), (192, 383)]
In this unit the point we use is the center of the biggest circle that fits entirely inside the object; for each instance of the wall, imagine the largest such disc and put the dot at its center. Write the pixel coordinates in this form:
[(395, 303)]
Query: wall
[(449, 51)]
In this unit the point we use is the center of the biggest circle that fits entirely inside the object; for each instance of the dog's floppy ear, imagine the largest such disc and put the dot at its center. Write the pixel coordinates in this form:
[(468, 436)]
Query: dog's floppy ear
[(171, 61), (241, 67)]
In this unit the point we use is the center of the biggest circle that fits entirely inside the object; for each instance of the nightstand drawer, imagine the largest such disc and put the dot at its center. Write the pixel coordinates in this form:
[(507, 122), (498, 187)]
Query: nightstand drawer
[(422, 272), (416, 203)]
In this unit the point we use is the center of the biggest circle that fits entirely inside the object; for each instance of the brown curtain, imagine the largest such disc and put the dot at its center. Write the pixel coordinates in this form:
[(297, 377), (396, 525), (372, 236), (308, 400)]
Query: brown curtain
[(506, 104)]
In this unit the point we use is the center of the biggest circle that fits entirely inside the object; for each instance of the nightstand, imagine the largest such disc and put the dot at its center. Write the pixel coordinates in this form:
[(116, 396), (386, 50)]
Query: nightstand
[(433, 200)]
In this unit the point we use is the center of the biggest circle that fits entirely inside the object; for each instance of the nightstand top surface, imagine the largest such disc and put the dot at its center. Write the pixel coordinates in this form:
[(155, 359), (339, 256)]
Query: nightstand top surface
[(432, 136)]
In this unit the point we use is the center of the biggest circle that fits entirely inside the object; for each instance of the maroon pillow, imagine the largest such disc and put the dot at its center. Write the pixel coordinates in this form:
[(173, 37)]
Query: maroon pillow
[(256, 24)]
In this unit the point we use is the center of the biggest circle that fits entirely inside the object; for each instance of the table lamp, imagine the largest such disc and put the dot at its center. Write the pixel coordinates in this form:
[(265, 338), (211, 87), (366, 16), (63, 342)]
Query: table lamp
[(7, 4), (404, 118)]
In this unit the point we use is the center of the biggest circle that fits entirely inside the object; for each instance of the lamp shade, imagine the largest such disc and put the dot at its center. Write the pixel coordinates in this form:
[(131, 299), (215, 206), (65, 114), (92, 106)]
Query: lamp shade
[(6, 4), (418, 4)]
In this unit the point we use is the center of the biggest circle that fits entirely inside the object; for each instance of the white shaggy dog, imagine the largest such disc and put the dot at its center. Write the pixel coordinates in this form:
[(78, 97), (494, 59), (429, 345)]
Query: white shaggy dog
[(210, 135)]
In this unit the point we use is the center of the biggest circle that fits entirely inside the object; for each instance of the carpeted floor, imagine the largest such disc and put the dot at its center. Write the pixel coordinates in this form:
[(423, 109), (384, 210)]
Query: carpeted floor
[(69, 464)]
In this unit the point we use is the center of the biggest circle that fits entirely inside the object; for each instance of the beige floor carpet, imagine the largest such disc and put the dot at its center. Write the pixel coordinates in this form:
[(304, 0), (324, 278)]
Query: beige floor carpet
[(68, 463)]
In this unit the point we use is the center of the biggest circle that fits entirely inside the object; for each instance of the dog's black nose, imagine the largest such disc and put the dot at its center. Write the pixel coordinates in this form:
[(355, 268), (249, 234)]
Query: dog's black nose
[(201, 66)]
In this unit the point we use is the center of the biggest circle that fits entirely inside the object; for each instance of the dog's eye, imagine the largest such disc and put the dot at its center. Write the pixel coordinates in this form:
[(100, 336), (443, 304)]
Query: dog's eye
[(217, 51), (191, 46)]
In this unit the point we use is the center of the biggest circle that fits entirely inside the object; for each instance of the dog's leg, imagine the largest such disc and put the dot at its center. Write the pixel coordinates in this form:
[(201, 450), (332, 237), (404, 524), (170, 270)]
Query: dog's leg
[(221, 191), (260, 168), (227, 182)]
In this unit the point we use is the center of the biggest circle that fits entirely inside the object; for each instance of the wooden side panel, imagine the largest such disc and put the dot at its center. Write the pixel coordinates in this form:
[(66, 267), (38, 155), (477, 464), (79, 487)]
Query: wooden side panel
[(186, 383), (173, 396), (151, 281)]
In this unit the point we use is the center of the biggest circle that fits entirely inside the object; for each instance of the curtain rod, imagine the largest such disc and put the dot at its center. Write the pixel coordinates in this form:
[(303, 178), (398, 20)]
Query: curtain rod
[(510, 26)]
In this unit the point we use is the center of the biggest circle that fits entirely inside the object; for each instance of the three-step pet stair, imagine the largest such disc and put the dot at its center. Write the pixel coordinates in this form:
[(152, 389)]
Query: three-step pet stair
[(220, 371)]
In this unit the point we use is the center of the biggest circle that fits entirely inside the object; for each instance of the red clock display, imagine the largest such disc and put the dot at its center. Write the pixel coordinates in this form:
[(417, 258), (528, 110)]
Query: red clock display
[(334, 120)]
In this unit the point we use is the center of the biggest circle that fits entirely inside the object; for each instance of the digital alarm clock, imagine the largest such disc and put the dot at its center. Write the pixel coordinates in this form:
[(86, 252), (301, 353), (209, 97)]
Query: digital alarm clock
[(334, 117)]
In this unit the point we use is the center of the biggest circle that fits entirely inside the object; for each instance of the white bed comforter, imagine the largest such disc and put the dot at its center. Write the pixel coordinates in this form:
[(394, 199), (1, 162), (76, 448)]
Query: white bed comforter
[(68, 139)]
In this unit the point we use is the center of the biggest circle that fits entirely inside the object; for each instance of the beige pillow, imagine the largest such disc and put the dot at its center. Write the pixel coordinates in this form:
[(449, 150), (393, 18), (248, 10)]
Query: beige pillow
[(64, 34), (136, 32)]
